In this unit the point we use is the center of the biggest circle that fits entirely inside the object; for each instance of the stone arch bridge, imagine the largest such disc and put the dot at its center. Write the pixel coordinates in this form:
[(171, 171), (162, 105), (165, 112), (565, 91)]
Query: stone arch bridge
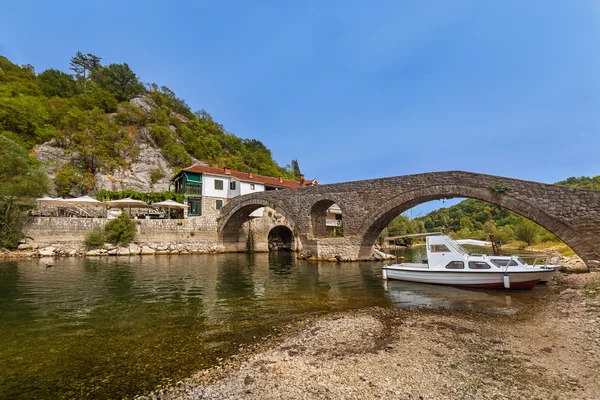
[(369, 206)]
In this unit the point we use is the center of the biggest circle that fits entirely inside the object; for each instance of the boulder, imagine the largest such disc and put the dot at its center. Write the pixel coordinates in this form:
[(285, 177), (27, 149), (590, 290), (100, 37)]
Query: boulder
[(25, 246), (380, 255), (123, 251), (134, 249), (147, 250), (46, 252), (305, 254), (113, 252)]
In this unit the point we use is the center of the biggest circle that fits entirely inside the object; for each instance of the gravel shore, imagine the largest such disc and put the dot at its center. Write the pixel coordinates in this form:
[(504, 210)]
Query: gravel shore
[(550, 351)]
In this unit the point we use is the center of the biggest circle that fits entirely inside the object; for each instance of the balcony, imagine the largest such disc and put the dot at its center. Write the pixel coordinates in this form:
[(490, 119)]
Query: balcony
[(192, 189), (333, 222)]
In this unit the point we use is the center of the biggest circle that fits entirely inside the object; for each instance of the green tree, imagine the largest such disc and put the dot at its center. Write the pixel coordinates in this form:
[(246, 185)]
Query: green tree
[(98, 141), (296, 168), (527, 231), (21, 181), (25, 118), (56, 83), (120, 80), (83, 64), (120, 230)]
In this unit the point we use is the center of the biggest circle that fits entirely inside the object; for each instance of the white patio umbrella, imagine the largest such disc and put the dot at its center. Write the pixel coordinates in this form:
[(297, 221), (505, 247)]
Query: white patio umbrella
[(83, 201), (170, 204), (128, 203), (49, 202)]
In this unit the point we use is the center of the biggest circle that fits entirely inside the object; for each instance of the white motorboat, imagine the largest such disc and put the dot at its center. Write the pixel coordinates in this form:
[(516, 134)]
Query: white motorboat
[(448, 263)]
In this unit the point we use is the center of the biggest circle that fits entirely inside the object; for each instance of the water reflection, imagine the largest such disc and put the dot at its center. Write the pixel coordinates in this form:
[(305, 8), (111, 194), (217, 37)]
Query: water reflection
[(415, 295), (114, 327)]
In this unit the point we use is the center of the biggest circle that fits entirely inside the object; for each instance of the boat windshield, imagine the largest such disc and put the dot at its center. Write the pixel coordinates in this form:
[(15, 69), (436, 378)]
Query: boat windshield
[(456, 245)]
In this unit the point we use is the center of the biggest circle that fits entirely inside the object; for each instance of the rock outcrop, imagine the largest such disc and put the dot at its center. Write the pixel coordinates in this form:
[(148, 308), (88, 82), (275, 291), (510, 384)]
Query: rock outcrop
[(136, 175)]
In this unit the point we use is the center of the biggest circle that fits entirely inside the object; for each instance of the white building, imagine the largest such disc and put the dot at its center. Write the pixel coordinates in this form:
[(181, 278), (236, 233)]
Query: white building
[(208, 189)]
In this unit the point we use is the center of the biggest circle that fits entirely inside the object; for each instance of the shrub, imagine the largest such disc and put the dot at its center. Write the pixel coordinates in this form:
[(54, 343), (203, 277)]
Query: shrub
[(499, 188), (120, 230), (156, 175), (94, 239)]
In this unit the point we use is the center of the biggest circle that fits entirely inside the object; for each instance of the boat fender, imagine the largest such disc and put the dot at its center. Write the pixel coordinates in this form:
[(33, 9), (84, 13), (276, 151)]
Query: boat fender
[(384, 274), (506, 281)]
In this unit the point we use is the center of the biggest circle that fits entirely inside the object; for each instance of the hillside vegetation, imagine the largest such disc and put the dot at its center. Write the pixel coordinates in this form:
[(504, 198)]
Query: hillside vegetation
[(99, 116), (475, 219)]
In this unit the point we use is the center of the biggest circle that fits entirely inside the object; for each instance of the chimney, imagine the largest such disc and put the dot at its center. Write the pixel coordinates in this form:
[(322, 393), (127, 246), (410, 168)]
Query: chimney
[(280, 179), (250, 175), (227, 170), (302, 179)]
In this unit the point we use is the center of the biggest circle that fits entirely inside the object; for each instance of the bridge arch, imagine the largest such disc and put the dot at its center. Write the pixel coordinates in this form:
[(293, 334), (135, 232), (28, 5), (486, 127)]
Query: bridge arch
[(236, 214), (318, 216), (281, 238), (376, 221)]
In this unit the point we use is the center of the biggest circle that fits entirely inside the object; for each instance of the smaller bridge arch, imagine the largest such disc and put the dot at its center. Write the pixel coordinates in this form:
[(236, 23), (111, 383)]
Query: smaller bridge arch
[(231, 231), (320, 225)]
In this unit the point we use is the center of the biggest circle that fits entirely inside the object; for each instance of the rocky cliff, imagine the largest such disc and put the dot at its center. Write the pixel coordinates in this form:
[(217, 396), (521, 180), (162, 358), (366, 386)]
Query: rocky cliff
[(137, 175)]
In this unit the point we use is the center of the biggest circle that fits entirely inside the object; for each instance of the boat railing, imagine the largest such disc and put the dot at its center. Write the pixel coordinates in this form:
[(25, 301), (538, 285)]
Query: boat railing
[(457, 246), (549, 259)]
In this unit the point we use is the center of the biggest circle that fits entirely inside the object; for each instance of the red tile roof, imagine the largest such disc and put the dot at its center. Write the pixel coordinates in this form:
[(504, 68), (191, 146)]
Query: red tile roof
[(248, 176)]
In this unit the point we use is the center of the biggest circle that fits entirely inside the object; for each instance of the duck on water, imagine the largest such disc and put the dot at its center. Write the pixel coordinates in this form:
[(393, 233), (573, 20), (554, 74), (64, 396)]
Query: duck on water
[(448, 263)]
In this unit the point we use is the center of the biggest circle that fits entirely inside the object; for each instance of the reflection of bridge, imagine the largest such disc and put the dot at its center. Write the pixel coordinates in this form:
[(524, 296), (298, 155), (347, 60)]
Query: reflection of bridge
[(369, 206)]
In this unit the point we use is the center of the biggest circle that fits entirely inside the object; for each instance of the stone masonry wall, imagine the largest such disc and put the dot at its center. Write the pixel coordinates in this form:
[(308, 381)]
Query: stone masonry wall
[(48, 236)]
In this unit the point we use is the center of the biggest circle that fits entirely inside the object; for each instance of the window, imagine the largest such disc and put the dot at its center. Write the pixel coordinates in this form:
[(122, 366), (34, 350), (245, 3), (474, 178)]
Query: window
[(439, 248), (252, 186), (502, 263), (338, 217), (479, 265), (218, 184), (455, 265), (232, 185), (219, 204)]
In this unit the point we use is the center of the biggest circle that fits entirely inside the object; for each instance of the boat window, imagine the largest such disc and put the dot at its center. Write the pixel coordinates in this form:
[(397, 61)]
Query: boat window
[(455, 265), (479, 265), (502, 263), (439, 248)]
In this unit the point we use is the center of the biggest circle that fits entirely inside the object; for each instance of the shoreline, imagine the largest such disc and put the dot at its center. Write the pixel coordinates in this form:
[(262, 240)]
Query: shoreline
[(552, 350)]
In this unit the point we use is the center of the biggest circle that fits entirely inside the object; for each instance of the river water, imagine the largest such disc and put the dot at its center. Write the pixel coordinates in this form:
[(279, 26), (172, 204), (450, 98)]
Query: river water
[(115, 327)]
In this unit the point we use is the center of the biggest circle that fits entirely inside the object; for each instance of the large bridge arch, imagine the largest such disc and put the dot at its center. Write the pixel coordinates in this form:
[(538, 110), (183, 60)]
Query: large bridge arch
[(374, 223)]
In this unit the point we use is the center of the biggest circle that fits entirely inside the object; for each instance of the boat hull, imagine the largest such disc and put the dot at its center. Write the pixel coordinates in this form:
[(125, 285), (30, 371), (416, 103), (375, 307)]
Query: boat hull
[(483, 279)]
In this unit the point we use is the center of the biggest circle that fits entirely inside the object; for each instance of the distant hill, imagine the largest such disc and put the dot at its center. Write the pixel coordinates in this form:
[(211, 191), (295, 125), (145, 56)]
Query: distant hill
[(101, 126)]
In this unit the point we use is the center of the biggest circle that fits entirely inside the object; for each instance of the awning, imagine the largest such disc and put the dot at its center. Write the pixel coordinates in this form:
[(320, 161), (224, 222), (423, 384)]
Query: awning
[(192, 178)]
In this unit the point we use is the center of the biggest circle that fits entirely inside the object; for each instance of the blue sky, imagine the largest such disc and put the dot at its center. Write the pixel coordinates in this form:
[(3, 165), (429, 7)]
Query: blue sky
[(357, 90)]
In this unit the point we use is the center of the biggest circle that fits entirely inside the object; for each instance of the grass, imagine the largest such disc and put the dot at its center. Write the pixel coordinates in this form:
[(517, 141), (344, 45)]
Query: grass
[(592, 286), (559, 247)]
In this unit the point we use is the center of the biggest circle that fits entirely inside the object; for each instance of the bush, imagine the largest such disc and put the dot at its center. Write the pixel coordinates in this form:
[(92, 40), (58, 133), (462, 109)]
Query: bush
[(120, 230), (94, 239), (156, 175)]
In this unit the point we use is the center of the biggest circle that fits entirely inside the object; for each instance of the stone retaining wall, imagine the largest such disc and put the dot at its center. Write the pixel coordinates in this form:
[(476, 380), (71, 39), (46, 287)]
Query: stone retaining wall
[(60, 236)]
